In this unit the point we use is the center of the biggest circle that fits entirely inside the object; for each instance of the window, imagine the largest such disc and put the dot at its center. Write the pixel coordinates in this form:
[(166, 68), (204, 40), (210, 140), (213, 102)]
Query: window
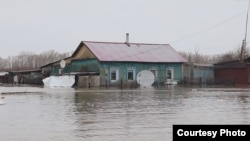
[(170, 74), (131, 74), (114, 74)]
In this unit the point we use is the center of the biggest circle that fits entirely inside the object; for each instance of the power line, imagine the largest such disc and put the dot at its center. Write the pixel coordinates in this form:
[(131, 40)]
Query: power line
[(209, 28), (194, 34)]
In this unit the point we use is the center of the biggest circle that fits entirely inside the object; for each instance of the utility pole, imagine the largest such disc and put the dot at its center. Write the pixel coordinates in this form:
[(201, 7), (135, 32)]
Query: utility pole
[(244, 42)]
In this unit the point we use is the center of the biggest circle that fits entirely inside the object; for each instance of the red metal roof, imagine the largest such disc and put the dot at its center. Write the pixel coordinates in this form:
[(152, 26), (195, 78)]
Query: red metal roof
[(134, 52)]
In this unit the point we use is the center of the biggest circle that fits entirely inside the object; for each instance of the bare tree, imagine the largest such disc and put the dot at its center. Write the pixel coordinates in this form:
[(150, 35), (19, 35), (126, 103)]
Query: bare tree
[(197, 57), (30, 60)]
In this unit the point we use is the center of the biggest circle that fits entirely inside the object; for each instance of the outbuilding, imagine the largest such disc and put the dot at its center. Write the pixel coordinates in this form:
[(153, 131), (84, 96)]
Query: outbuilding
[(195, 73), (232, 72)]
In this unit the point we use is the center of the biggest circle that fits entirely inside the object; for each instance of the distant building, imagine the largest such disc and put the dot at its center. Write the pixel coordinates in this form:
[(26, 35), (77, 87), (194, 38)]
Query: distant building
[(5, 78), (33, 76), (232, 72), (110, 63), (194, 73)]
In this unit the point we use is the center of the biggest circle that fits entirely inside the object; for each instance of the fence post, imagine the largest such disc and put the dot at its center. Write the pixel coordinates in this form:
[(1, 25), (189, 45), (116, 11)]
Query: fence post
[(121, 83)]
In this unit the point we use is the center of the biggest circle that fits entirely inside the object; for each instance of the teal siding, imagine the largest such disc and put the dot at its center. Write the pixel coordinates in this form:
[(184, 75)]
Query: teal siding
[(86, 65), (123, 67), (55, 70), (104, 70)]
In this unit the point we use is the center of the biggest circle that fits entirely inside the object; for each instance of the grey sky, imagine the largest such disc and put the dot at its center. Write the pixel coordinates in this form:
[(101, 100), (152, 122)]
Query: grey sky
[(212, 26)]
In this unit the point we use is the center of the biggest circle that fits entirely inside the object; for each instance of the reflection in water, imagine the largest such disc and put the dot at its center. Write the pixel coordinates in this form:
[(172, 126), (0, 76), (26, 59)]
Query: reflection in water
[(143, 114), (119, 115)]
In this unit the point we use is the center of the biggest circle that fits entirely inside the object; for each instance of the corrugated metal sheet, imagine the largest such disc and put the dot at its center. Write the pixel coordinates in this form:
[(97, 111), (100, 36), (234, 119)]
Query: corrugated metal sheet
[(198, 73), (133, 52)]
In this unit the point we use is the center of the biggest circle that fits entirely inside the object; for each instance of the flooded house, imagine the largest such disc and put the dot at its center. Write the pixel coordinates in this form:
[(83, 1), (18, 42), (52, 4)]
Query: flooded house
[(112, 63)]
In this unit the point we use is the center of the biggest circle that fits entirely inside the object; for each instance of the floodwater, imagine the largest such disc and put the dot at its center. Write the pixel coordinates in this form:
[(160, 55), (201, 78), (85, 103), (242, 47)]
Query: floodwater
[(108, 115)]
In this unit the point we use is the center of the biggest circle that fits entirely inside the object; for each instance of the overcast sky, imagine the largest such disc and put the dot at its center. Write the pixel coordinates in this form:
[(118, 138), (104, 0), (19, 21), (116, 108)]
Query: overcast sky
[(211, 26)]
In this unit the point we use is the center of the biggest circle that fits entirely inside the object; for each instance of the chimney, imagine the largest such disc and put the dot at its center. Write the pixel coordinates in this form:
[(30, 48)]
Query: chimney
[(127, 39)]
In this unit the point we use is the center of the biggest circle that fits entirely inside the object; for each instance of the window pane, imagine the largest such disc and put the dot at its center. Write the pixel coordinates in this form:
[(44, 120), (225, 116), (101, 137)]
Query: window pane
[(130, 75), (169, 74), (113, 75)]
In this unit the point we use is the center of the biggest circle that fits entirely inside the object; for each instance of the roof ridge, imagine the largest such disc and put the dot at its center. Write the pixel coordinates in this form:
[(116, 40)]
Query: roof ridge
[(123, 43)]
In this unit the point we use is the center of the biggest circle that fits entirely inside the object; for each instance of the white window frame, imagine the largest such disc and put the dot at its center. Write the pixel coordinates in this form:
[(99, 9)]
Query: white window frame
[(172, 73), (116, 69), (133, 71)]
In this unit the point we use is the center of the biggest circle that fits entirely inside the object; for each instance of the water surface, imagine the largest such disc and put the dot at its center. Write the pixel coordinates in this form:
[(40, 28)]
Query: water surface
[(142, 114)]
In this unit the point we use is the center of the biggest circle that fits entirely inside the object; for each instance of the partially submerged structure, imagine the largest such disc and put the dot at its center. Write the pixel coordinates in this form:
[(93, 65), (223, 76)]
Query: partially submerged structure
[(32, 76), (194, 73), (111, 63), (232, 72), (5, 77)]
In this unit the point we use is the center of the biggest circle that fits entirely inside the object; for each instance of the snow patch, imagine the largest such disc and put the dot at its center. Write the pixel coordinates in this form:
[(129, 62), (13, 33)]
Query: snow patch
[(59, 81)]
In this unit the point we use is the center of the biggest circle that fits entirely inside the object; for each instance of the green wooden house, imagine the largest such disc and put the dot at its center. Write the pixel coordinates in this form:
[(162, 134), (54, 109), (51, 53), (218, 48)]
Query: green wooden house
[(110, 63)]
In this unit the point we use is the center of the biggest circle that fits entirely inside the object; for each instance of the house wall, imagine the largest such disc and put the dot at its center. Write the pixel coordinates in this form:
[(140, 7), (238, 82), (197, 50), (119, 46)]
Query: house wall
[(55, 70), (88, 81), (248, 74), (46, 70), (84, 53), (81, 65), (123, 67), (6, 79), (236, 75), (85, 65), (198, 74), (26, 77), (32, 78), (83, 60), (103, 68)]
